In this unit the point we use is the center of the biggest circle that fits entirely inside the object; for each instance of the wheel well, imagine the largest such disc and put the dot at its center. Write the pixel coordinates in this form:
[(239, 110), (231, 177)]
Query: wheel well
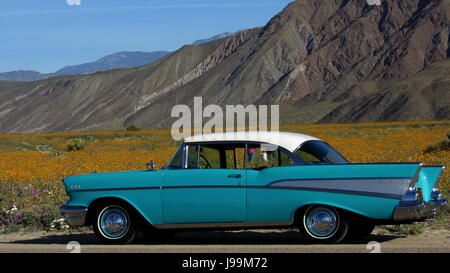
[(92, 209), (349, 215)]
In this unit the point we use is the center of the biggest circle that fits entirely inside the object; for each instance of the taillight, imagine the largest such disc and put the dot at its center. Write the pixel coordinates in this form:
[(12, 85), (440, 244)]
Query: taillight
[(419, 194), (411, 195)]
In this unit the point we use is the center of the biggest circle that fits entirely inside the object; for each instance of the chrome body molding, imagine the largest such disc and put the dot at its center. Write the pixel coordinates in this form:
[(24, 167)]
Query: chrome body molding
[(75, 216), (224, 225), (393, 188)]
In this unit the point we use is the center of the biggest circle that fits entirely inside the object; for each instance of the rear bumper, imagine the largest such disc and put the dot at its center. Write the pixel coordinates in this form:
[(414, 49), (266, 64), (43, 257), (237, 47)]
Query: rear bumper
[(75, 216), (418, 210)]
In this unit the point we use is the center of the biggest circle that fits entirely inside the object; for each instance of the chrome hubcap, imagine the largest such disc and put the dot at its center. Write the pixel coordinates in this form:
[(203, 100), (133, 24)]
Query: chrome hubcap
[(114, 222), (321, 222)]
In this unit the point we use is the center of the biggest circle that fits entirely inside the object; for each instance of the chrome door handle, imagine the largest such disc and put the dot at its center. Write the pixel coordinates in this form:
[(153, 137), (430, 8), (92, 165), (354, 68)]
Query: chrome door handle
[(234, 176)]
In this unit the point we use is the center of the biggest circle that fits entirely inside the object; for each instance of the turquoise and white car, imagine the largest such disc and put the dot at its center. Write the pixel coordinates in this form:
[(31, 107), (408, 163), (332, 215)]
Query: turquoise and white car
[(254, 180)]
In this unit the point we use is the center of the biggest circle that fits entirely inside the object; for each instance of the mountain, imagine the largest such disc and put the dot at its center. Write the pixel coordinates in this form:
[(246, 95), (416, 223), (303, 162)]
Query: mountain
[(117, 60), (22, 76), (122, 59), (340, 61), (216, 37)]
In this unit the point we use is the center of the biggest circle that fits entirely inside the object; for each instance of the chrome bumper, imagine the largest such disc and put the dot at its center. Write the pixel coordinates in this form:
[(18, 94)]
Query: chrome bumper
[(76, 216), (418, 210)]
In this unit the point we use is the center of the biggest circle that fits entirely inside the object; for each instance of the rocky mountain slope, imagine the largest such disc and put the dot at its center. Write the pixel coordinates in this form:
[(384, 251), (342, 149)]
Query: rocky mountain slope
[(322, 61)]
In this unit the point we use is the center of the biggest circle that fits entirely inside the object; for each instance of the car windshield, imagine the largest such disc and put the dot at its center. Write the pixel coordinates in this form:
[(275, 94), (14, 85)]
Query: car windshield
[(318, 152)]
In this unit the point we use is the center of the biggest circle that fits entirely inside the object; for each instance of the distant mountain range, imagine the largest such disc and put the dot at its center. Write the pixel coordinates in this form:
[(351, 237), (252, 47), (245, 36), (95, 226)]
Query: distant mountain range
[(337, 61), (124, 59), (217, 37)]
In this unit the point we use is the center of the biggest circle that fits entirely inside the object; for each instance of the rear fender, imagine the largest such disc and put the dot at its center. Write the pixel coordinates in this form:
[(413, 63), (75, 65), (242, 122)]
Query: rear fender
[(427, 180)]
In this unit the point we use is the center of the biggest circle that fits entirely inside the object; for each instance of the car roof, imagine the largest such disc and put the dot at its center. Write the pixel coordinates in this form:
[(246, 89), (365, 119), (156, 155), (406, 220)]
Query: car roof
[(288, 140)]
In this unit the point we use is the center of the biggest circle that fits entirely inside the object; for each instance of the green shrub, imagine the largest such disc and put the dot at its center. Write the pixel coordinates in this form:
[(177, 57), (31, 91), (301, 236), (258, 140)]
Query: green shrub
[(133, 128), (408, 229), (440, 146), (75, 145)]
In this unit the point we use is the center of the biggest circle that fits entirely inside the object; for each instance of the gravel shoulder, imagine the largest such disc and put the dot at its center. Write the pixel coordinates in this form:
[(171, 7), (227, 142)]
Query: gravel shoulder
[(244, 241)]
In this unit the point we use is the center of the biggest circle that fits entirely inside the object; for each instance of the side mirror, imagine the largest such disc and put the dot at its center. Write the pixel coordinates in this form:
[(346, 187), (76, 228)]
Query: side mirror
[(150, 165)]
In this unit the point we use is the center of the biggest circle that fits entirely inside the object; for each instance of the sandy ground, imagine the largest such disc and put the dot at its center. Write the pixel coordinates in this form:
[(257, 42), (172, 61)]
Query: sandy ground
[(248, 241)]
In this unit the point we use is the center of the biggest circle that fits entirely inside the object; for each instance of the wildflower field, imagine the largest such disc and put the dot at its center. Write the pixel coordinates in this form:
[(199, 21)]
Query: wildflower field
[(32, 165)]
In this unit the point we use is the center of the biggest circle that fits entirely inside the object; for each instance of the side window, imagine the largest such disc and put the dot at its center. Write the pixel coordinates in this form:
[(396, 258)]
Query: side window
[(262, 156), (192, 156), (209, 157), (216, 156), (285, 159), (235, 157)]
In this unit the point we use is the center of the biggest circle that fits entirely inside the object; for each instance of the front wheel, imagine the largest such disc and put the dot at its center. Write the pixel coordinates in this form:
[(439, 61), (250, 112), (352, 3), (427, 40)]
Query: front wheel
[(323, 224), (115, 224)]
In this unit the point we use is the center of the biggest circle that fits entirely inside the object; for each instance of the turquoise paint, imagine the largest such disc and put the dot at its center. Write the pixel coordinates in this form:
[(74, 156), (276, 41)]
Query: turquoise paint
[(222, 200), (428, 177), (209, 195), (147, 202)]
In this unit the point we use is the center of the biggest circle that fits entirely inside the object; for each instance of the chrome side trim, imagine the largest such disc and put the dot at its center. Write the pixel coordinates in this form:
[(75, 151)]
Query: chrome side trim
[(75, 216), (389, 187), (416, 176), (384, 187), (224, 225), (361, 193), (117, 189)]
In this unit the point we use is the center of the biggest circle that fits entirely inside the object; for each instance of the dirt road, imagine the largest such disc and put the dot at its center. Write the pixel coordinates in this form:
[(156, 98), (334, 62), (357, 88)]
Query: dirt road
[(249, 241)]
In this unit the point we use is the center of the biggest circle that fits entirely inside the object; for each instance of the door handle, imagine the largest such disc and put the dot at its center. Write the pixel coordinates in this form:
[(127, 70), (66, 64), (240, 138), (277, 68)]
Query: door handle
[(234, 176)]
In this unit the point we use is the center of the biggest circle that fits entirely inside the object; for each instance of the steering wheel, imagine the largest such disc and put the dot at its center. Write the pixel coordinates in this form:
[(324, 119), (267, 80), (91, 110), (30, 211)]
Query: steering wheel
[(205, 164)]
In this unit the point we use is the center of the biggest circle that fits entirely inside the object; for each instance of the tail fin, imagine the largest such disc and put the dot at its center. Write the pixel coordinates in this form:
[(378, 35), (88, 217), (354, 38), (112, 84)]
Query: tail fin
[(428, 177)]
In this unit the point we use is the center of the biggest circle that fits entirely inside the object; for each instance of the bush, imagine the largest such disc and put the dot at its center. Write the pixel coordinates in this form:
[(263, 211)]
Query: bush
[(31, 206), (408, 229), (133, 128), (442, 145), (75, 145)]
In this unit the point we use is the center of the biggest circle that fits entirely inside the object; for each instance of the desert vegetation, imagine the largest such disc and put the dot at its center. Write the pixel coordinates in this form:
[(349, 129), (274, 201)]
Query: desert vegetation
[(32, 165)]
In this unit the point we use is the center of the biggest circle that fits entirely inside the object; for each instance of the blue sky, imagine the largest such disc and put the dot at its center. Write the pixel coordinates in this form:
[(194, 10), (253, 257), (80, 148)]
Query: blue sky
[(47, 35)]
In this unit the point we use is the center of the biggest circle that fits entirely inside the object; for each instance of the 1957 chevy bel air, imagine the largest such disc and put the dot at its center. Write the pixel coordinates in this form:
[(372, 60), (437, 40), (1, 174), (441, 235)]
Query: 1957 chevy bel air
[(254, 180)]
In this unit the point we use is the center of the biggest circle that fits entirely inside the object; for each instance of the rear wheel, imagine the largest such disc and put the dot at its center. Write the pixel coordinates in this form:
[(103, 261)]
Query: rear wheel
[(323, 224), (115, 224)]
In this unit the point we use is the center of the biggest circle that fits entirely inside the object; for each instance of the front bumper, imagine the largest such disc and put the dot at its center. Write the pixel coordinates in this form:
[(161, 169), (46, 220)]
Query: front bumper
[(76, 216), (418, 210)]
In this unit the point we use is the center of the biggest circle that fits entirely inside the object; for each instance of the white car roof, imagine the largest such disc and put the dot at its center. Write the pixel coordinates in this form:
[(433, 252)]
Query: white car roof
[(289, 141)]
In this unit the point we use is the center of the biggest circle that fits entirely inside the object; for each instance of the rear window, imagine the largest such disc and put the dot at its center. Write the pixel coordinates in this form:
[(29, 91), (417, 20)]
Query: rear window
[(318, 152)]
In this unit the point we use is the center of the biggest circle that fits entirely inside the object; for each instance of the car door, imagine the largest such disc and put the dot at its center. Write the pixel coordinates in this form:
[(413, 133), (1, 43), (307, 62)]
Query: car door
[(210, 188), (267, 163)]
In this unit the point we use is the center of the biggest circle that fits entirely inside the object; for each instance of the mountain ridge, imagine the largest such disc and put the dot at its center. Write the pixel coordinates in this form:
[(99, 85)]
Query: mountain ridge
[(341, 61), (122, 59)]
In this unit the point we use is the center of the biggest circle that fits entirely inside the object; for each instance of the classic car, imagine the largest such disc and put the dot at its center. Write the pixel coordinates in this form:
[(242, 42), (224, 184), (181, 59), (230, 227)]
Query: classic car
[(252, 180)]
